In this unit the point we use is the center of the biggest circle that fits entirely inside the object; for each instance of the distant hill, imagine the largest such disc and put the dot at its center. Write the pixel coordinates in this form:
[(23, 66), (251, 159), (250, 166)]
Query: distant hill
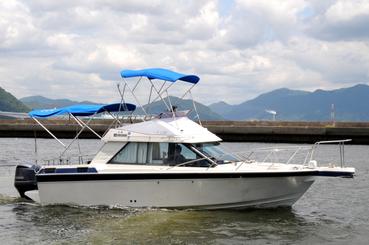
[(204, 111), (40, 102), (351, 104), (9, 103), (222, 108)]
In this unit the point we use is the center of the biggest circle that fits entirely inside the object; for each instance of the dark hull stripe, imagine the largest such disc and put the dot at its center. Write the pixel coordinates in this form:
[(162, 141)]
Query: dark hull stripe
[(159, 176), (336, 174)]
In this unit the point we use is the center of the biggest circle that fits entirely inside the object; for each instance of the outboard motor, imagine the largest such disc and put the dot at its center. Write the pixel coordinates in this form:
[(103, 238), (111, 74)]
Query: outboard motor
[(25, 178)]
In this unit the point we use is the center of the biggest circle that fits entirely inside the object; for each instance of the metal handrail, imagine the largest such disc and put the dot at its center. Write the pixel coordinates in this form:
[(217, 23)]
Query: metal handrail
[(341, 145), (188, 162), (67, 160), (240, 155)]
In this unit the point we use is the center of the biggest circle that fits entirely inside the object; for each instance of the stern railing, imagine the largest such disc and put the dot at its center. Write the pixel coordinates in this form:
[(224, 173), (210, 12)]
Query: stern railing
[(70, 160)]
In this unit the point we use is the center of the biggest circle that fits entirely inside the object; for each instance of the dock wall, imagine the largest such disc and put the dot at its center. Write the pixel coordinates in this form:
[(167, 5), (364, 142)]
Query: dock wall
[(229, 131)]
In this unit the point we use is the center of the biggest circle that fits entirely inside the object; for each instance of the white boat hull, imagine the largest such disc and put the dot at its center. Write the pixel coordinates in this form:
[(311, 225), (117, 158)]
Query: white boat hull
[(213, 193)]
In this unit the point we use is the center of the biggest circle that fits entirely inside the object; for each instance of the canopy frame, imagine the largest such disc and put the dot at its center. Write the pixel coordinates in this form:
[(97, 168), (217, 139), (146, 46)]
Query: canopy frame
[(150, 74), (48, 131), (81, 123), (83, 126)]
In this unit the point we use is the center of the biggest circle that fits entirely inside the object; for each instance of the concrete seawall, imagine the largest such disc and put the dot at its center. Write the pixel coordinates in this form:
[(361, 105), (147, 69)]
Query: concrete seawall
[(229, 131), (289, 132)]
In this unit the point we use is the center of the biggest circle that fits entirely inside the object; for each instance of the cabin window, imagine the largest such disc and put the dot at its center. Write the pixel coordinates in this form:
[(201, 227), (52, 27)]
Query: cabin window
[(156, 153), (179, 153), (138, 153), (214, 151), (127, 155)]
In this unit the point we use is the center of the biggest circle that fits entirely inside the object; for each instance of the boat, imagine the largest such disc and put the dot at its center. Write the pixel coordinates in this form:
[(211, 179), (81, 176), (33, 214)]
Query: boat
[(167, 161)]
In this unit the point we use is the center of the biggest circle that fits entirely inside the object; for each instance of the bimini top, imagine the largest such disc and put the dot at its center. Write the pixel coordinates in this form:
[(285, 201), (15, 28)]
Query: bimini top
[(82, 110), (159, 73)]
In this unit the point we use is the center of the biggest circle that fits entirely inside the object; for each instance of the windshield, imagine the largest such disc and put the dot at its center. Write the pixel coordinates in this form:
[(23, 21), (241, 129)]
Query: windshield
[(213, 150)]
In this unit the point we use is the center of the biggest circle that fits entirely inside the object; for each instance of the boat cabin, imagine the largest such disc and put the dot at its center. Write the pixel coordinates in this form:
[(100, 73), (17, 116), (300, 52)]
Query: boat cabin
[(161, 142)]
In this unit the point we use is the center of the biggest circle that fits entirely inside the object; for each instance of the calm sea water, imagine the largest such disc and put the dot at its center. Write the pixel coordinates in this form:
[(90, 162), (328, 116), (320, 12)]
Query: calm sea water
[(333, 211)]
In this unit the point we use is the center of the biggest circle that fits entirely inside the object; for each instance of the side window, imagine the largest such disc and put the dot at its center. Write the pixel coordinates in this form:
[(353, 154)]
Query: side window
[(142, 153), (127, 155), (181, 153), (158, 154), (188, 153)]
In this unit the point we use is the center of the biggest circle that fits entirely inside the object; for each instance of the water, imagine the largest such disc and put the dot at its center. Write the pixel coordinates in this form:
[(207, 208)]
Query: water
[(333, 211)]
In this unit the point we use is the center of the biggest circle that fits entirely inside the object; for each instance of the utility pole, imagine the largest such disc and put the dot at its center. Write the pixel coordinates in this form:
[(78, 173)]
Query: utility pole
[(333, 115)]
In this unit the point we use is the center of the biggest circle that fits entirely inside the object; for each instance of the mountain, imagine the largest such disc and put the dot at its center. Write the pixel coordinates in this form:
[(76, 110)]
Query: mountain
[(40, 102), (221, 107), (350, 104), (205, 112), (9, 103)]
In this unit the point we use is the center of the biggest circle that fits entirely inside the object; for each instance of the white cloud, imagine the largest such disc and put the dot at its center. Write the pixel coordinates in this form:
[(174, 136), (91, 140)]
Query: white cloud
[(76, 49), (16, 26), (341, 20), (347, 10)]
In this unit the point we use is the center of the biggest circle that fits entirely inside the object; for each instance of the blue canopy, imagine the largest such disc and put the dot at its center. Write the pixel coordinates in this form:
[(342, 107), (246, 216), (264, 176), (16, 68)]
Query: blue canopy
[(82, 110), (159, 73)]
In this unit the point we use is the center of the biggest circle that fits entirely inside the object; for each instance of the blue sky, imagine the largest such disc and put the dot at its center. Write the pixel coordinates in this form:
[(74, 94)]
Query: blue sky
[(240, 49)]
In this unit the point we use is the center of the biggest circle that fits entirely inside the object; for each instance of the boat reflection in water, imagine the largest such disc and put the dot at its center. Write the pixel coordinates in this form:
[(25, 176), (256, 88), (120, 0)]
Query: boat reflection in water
[(167, 161)]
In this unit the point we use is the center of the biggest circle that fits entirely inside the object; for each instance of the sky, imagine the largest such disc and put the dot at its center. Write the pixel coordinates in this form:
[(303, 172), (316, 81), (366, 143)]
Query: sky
[(240, 49)]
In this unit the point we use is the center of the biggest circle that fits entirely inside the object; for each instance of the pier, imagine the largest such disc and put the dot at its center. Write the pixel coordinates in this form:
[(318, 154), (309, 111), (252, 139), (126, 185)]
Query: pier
[(229, 131)]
